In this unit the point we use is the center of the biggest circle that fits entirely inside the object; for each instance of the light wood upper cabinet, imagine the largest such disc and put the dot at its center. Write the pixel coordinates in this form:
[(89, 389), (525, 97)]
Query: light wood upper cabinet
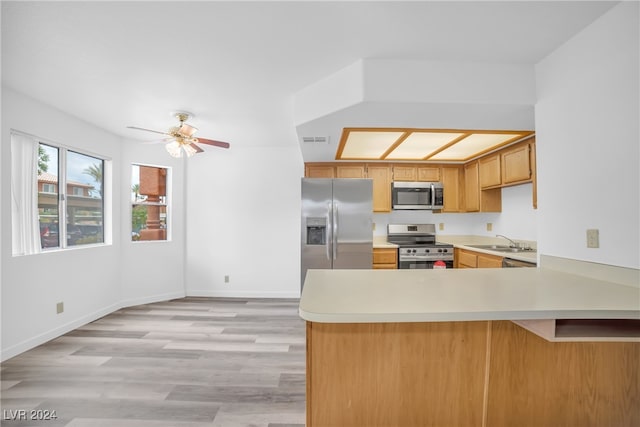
[(516, 164), (319, 171), (490, 175), (405, 173), (471, 187), (408, 172), (381, 176), (452, 181), (426, 173), (350, 171)]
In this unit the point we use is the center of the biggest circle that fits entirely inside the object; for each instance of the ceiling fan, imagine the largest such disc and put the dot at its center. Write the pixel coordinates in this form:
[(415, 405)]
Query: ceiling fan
[(180, 138)]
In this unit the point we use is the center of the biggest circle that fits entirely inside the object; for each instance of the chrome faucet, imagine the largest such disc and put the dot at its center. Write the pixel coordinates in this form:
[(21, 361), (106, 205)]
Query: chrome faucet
[(513, 244)]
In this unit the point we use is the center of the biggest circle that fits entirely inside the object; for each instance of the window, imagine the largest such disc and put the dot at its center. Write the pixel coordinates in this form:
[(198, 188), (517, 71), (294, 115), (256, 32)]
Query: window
[(48, 188), (149, 203), (80, 180)]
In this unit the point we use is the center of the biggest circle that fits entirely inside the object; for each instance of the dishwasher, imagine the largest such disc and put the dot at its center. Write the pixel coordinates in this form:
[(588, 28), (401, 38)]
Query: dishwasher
[(516, 263)]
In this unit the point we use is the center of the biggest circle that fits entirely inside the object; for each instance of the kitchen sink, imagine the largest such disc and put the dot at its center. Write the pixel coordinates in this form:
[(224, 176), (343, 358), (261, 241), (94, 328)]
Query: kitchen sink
[(501, 248)]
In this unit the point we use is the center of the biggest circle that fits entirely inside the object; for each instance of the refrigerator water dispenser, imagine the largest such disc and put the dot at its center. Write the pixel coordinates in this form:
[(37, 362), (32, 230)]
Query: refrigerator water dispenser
[(316, 231)]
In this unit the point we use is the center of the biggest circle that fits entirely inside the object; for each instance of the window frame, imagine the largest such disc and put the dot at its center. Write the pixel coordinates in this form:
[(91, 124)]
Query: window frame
[(167, 205), (63, 195)]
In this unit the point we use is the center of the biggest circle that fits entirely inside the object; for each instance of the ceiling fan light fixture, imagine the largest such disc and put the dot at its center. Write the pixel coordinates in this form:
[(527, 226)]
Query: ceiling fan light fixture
[(173, 148), (189, 150), (187, 130)]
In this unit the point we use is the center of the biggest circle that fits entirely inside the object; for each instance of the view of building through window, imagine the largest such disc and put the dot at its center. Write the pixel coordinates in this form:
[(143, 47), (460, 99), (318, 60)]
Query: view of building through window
[(79, 195), (148, 203)]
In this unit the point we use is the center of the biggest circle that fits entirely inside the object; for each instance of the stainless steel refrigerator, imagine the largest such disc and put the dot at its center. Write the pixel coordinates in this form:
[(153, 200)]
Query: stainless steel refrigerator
[(337, 224)]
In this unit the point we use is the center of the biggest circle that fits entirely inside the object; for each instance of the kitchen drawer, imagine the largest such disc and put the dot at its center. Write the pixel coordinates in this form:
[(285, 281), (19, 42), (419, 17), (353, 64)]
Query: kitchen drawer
[(467, 259), (386, 258)]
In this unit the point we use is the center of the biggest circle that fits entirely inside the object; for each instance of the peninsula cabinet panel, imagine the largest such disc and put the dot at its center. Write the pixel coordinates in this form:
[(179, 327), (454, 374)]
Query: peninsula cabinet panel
[(534, 382), (395, 374)]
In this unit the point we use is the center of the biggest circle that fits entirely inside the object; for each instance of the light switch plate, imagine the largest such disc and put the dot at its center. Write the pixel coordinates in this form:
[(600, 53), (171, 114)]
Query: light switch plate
[(489, 226), (593, 238), (59, 307)]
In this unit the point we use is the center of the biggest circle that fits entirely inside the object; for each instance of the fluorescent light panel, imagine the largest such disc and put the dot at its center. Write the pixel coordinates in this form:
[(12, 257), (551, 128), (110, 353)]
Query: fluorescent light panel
[(473, 145), (420, 144), (368, 145)]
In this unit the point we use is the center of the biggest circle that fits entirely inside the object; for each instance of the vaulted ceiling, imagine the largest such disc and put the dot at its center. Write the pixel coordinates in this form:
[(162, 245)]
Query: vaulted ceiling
[(116, 64)]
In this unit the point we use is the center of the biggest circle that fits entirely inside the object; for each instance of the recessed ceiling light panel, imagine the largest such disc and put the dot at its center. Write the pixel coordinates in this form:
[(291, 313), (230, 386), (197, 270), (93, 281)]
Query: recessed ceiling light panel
[(368, 145), (405, 144), (474, 145), (419, 145)]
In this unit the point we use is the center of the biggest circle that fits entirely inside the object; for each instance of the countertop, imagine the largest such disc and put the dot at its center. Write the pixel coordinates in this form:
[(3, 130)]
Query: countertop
[(365, 296), (463, 242)]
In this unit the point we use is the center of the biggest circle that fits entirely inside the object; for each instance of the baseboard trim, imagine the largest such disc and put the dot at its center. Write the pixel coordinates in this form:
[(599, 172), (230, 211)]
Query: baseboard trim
[(241, 294), (30, 343), (151, 299)]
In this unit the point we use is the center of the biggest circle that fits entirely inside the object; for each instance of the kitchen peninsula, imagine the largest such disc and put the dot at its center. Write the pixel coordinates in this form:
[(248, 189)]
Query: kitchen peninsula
[(440, 347)]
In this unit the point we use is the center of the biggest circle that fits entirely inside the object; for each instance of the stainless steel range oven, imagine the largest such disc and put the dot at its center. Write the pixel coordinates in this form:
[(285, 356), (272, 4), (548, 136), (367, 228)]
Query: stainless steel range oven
[(417, 246)]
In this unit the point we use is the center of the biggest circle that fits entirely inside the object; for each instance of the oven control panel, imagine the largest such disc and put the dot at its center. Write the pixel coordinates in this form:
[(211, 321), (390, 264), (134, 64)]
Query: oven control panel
[(431, 253)]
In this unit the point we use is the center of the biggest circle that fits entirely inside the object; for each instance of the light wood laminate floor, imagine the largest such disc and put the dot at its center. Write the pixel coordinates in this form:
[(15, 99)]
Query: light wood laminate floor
[(192, 362)]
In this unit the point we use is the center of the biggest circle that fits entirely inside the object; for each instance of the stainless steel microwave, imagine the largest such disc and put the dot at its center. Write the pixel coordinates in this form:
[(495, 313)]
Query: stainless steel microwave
[(417, 195)]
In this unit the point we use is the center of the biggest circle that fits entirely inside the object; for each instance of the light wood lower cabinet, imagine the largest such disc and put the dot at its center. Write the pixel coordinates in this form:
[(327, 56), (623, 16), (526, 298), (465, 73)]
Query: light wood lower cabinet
[(385, 258), (471, 259), (484, 373)]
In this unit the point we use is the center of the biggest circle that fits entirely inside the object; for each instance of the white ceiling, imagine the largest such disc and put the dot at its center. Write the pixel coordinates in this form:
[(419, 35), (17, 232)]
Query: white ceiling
[(116, 64)]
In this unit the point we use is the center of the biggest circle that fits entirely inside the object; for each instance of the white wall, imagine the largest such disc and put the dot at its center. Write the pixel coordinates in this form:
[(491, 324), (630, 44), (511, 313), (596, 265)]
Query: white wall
[(91, 281), (153, 271), (243, 218), (87, 280), (587, 142), (517, 219)]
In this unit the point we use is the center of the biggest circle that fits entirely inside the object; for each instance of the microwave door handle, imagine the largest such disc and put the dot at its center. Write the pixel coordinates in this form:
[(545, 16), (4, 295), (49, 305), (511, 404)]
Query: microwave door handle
[(328, 233), (433, 195), (335, 231)]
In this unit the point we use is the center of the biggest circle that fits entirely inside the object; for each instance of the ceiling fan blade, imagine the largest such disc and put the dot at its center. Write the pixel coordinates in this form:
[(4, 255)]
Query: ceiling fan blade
[(158, 141), (198, 149), (148, 130), (212, 142)]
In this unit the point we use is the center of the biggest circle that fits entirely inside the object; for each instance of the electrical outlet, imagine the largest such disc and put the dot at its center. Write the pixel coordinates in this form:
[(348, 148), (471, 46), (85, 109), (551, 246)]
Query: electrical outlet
[(226, 279), (489, 226), (59, 307), (441, 226), (593, 238)]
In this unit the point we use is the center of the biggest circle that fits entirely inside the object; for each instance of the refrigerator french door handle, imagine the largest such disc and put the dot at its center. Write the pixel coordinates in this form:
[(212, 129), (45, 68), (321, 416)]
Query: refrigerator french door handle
[(328, 231), (335, 230)]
